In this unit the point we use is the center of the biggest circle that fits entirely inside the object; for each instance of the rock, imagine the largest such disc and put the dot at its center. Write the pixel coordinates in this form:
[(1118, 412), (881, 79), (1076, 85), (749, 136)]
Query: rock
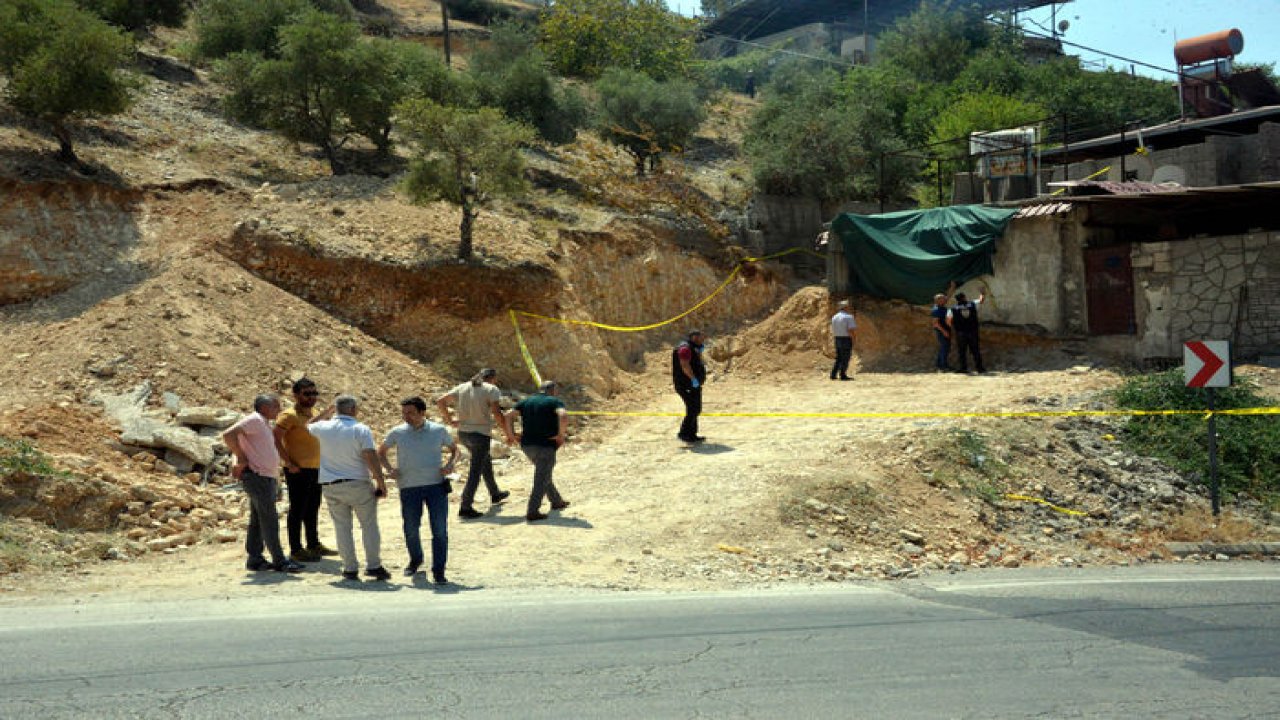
[(958, 558), (1011, 562), (226, 536), (159, 544), (911, 549), (179, 463), (911, 536), (171, 401), (185, 441), (220, 418)]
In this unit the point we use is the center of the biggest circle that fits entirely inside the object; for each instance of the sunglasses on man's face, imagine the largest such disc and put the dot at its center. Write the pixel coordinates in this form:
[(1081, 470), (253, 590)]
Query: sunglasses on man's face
[(309, 393)]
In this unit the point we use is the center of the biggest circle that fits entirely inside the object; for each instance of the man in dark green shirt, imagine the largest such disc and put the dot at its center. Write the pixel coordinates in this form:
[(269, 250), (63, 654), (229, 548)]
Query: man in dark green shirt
[(544, 424)]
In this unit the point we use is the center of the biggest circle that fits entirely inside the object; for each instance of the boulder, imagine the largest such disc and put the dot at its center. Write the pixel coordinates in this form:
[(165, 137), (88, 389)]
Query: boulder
[(185, 441), (220, 418)]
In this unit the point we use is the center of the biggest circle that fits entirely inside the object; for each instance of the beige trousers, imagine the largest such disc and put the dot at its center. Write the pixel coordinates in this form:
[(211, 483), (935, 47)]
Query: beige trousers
[(356, 497)]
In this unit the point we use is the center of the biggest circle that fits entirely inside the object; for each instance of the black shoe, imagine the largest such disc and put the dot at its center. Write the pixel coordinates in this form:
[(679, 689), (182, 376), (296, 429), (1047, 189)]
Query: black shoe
[(412, 569), (833, 377), (304, 556), (288, 566), (378, 573), (320, 550), (692, 439), (560, 505), (846, 377), (502, 496), (257, 564), (438, 577), (535, 517), (351, 575), (469, 513)]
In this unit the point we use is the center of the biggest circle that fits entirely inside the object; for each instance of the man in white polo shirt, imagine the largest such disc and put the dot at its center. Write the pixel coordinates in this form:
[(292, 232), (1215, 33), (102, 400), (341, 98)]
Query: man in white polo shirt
[(347, 458), (844, 330), (418, 443)]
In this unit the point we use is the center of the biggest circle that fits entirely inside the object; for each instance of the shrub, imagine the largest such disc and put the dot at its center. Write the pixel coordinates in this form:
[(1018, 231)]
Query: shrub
[(139, 14), (223, 27), (513, 75), (1248, 445)]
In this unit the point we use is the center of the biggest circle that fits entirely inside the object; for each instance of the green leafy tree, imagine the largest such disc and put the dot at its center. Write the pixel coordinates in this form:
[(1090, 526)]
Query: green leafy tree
[(935, 42), (716, 8), (139, 14), (223, 27), (62, 63), (583, 38), (514, 75), (308, 92), (394, 70), (465, 157), (830, 137), (645, 117), (973, 112)]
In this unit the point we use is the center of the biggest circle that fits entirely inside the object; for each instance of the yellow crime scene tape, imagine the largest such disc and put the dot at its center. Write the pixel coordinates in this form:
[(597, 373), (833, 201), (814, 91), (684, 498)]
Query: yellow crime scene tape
[(528, 356), (537, 379)]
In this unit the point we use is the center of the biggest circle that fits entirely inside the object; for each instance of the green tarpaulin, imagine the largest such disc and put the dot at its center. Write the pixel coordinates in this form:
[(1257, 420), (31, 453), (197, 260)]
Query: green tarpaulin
[(915, 254)]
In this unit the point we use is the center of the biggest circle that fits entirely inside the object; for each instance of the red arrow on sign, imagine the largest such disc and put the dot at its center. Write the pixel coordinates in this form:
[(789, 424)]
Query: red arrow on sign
[(1212, 363)]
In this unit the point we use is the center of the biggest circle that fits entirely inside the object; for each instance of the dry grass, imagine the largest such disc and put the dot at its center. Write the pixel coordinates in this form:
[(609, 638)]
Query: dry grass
[(1197, 524)]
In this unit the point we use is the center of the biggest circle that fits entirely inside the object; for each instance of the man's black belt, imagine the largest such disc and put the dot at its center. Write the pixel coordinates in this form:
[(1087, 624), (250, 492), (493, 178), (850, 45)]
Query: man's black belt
[(342, 480)]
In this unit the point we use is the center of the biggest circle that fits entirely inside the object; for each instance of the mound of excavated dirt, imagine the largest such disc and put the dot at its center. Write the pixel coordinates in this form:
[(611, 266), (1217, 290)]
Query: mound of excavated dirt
[(892, 337)]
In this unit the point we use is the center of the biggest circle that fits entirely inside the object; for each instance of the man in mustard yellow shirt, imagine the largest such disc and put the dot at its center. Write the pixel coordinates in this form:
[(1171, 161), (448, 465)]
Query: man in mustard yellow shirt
[(300, 455)]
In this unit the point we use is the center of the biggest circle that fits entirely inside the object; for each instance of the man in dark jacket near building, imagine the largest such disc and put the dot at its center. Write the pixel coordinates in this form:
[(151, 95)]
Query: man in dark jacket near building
[(688, 373), (964, 321)]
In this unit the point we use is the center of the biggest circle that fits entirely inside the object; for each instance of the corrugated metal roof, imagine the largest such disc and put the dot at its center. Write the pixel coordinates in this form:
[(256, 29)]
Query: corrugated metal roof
[(1044, 210), (1129, 187)]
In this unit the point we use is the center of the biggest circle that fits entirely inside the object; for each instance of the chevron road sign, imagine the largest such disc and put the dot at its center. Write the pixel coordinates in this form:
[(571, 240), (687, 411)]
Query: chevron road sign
[(1207, 363)]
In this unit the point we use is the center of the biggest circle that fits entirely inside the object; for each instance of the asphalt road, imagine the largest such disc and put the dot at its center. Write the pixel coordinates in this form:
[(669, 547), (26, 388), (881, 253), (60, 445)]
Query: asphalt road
[(1163, 642)]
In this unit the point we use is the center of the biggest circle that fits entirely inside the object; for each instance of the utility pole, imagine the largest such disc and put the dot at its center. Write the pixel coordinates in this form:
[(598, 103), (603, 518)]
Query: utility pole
[(444, 15)]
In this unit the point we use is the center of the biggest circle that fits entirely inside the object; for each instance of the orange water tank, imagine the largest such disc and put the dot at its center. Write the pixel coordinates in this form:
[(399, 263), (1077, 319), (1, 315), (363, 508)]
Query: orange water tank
[(1221, 44)]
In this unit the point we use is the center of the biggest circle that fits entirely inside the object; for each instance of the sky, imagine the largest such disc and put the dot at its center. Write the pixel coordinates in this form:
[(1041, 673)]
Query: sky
[(1146, 30)]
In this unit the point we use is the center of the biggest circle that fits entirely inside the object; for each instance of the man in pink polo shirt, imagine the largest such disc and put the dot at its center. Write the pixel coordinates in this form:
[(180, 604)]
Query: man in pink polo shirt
[(257, 465)]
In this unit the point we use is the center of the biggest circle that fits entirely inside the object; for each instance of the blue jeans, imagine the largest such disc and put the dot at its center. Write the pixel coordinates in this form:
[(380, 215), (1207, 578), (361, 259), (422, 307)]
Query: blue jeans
[(944, 351), (437, 501)]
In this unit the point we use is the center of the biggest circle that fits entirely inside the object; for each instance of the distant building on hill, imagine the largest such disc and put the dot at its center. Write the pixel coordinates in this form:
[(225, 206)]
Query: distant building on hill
[(842, 27)]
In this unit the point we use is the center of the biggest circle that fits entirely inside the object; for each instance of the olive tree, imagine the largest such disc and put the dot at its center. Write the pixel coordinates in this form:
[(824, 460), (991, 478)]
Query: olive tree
[(62, 63), (465, 157), (645, 117)]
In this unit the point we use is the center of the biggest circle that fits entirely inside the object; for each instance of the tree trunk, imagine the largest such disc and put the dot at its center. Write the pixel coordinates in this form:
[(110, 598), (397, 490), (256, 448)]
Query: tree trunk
[(464, 232), (331, 154), (66, 153)]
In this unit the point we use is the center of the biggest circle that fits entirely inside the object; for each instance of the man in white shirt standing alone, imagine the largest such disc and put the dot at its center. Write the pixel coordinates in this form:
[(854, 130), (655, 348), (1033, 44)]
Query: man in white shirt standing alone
[(844, 330), (348, 457)]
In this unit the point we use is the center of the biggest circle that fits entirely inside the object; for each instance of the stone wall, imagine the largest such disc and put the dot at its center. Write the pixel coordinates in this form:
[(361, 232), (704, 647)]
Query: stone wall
[(1220, 288)]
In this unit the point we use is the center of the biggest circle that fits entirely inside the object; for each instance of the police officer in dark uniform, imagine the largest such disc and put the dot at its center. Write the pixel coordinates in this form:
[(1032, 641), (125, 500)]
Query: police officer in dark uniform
[(688, 373), (964, 321)]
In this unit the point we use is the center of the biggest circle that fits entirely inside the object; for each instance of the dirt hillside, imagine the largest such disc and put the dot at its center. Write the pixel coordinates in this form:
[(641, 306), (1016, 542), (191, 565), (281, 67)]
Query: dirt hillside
[(204, 263)]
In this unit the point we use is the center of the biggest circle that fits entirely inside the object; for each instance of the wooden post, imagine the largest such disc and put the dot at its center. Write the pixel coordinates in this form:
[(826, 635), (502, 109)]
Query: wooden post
[(444, 16)]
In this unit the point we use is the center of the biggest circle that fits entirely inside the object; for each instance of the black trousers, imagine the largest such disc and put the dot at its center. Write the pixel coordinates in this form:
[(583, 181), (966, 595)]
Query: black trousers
[(844, 352), (692, 398), (968, 342), (304, 507)]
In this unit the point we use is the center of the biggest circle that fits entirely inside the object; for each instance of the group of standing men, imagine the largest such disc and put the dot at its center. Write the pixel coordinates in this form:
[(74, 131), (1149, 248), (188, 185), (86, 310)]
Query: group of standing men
[(958, 323), (332, 455)]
